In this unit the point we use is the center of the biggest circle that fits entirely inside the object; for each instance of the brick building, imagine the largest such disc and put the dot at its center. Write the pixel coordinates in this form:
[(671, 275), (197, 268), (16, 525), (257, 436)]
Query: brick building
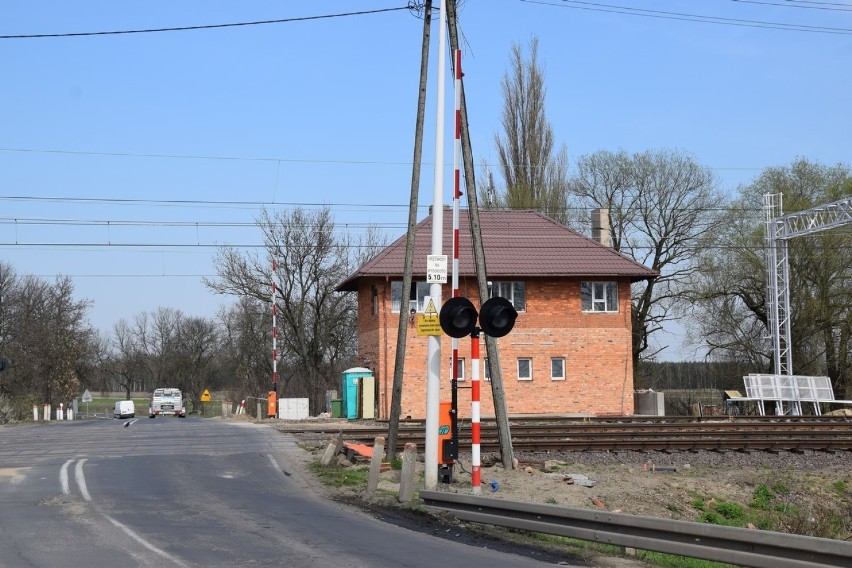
[(570, 349)]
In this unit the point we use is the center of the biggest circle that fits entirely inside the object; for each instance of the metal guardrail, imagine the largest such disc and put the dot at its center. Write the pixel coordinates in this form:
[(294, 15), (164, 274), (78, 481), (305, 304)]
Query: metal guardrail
[(745, 547)]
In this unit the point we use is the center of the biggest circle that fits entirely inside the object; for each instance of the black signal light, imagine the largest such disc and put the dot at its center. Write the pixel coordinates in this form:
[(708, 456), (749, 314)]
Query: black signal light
[(497, 317), (457, 317)]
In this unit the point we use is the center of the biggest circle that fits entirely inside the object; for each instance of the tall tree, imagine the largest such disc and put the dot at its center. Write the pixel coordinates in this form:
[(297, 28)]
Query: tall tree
[(194, 364), (534, 174), (732, 290), (45, 333), (246, 341), (663, 208), (317, 339), (155, 337)]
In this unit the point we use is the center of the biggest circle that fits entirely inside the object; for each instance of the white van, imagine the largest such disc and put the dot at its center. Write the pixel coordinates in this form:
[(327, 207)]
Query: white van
[(124, 409)]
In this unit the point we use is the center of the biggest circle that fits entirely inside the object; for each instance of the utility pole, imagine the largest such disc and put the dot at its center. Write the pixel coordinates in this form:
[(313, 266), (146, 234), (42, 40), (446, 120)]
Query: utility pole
[(402, 329), (433, 347), (498, 393)]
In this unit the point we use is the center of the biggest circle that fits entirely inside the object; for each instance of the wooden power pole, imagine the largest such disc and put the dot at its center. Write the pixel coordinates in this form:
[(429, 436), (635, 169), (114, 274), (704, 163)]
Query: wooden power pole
[(402, 329), (497, 391)]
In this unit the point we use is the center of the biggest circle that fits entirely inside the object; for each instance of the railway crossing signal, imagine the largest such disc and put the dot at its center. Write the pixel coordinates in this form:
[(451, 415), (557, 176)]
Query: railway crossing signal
[(496, 318)]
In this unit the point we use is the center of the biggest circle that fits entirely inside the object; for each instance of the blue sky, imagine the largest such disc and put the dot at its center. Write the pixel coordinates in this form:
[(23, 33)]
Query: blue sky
[(171, 128)]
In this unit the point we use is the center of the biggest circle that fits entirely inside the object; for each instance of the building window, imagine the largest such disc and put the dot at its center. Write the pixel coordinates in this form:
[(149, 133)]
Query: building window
[(486, 370), (515, 292), (375, 300), (557, 368), (599, 296), (524, 369), (460, 366), (419, 290)]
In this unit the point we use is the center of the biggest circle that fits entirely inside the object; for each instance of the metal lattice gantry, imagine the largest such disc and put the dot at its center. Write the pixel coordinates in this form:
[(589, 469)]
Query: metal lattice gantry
[(779, 229)]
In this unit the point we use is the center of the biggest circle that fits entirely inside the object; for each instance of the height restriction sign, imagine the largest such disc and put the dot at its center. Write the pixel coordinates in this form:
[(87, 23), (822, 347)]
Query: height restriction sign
[(436, 269)]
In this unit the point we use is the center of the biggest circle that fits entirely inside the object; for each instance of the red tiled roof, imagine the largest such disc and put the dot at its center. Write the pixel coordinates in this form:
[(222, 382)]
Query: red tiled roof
[(516, 243)]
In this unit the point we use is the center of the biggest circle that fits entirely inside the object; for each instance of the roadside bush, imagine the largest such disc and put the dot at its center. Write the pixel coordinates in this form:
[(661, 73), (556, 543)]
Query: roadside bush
[(15, 410), (730, 511), (762, 497)]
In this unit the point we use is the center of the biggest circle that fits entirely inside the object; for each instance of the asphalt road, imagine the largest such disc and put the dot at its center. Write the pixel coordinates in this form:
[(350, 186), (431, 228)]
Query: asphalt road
[(185, 493)]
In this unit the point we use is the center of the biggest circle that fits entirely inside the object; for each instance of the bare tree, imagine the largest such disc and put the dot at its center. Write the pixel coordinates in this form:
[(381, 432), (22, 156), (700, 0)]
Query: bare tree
[(127, 358), (195, 363), (317, 339), (534, 174), (246, 341), (155, 335), (663, 208)]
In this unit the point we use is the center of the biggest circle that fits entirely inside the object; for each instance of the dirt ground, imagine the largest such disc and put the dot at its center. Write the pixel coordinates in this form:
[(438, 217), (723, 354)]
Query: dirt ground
[(802, 493)]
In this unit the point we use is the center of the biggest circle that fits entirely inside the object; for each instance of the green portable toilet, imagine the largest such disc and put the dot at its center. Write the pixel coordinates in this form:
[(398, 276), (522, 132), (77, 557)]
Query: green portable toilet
[(351, 381)]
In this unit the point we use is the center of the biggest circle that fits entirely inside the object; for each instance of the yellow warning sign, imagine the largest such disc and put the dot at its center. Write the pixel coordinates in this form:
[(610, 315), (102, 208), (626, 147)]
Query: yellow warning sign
[(428, 325), (430, 310), (205, 396)]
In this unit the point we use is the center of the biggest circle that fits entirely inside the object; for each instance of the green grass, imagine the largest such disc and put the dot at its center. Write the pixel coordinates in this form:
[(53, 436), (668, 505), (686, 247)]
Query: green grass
[(672, 561), (337, 476), (761, 498), (105, 405), (731, 511)]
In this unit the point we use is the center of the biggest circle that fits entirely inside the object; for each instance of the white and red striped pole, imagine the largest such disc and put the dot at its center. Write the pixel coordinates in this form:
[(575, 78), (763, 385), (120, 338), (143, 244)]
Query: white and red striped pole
[(274, 347), (455, 282), (456, 188), (474, 413)]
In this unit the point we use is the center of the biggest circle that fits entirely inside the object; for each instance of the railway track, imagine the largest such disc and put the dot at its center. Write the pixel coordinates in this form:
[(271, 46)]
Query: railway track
[(626, 434)]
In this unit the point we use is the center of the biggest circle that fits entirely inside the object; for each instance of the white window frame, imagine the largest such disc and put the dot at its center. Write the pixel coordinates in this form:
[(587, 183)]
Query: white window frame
[(461, 361), (527, 378), (421, 290), (509, 289), (554, 377), (599, 296)]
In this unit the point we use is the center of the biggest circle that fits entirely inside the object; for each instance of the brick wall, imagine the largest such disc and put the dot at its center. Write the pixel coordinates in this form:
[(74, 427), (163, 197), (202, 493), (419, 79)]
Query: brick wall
[(596, 348)]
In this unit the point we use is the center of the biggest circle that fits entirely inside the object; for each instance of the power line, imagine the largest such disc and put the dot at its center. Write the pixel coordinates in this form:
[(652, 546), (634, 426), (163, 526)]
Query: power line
[(682, 16), (790, 4), (517, 243), (204, 27), (192, 202), (267, 159), (202, 157), (177, 224)]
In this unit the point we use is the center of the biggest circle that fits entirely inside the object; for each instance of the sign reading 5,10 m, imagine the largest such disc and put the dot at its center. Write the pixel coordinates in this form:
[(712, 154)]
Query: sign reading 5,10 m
[(436, 269)]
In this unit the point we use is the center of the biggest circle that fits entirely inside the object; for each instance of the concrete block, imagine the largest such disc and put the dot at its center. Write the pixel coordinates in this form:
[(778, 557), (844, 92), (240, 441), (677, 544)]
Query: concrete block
[(332, 450), (376, 464), (409, 473)]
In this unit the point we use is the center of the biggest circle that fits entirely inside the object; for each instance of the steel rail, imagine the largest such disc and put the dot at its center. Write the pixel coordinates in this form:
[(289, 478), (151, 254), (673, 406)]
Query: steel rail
[(745, 547), (553, 434), (709, 439)]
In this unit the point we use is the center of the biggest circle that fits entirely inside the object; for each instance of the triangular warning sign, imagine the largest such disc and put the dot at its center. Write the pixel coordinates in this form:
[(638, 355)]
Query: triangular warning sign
[(430, 308), (205, 396)]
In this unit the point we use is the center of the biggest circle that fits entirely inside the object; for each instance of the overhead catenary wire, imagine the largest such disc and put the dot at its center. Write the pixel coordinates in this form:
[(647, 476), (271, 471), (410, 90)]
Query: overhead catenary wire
[(688, 17), (827, 6)]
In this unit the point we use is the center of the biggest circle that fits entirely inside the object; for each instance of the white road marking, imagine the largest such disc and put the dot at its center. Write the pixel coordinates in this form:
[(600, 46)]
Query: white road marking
[(81, 480), (80, 477), (63, 477), (129, 532)]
